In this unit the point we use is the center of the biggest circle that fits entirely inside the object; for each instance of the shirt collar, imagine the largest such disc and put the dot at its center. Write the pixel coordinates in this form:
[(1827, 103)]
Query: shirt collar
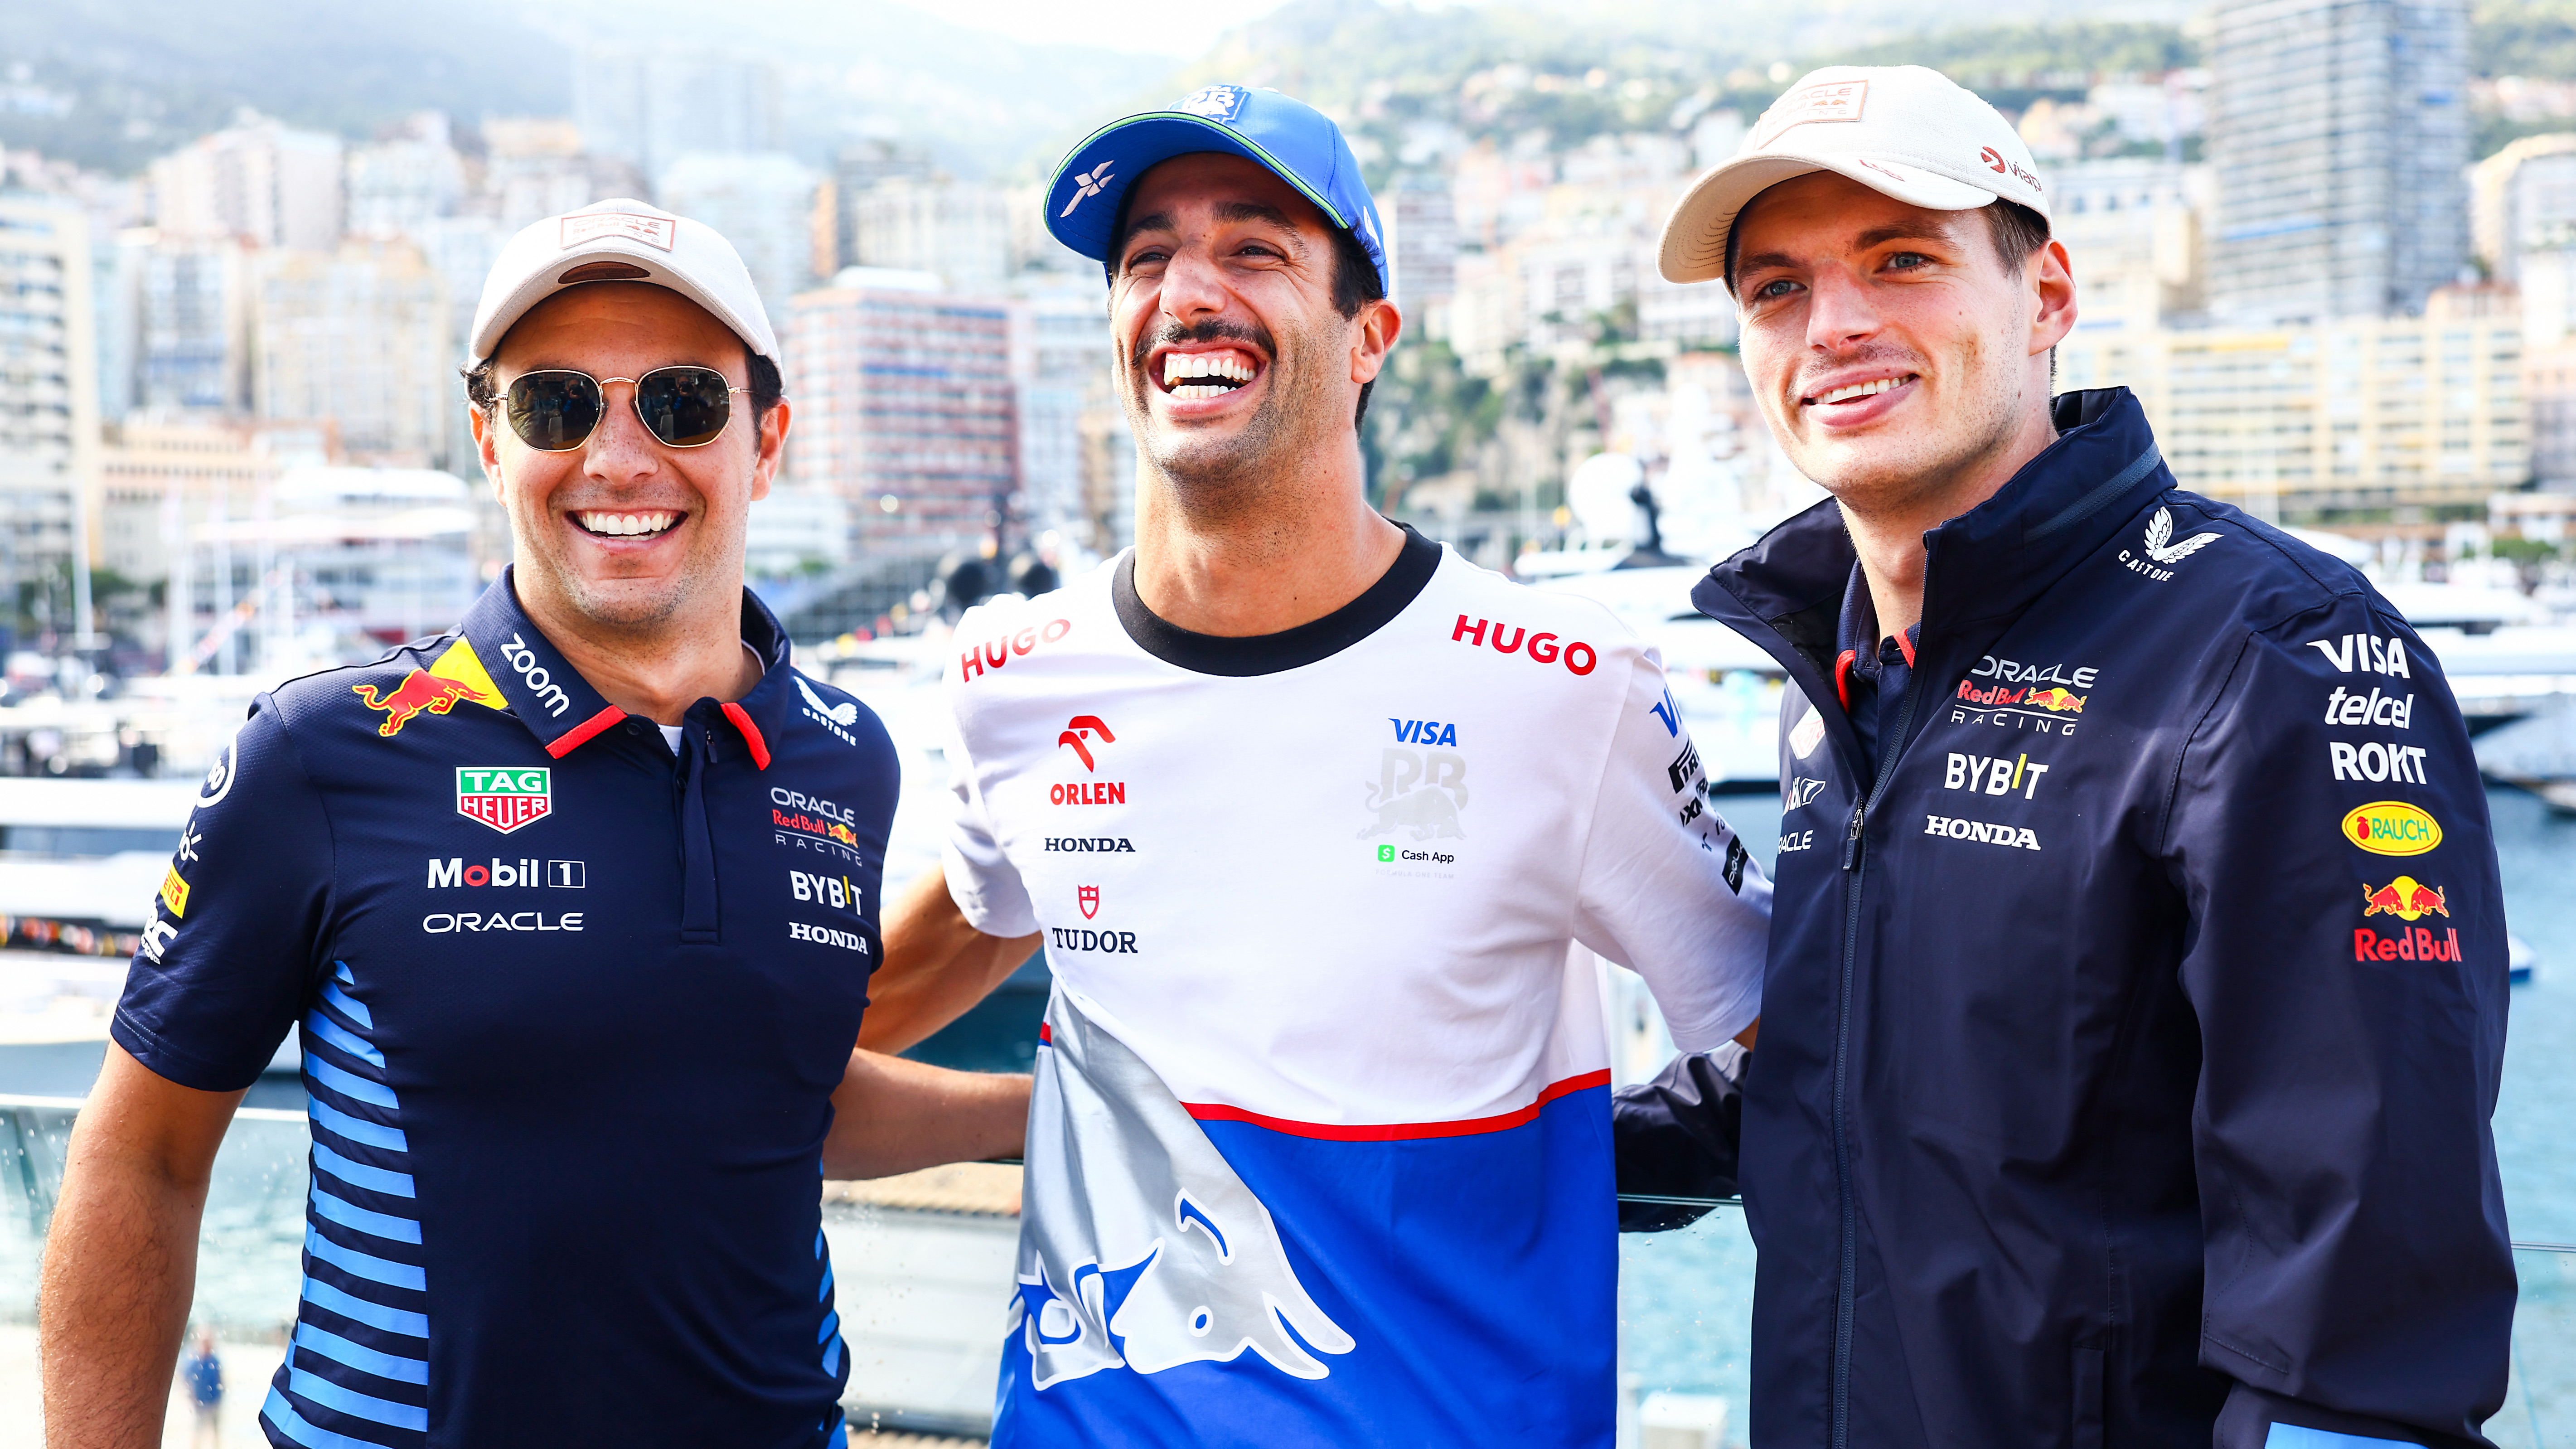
[(551, 698)]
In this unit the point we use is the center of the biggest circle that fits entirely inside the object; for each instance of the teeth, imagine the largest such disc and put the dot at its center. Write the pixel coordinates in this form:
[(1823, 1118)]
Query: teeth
[(1177, 366), (1860, 389), (626, 525), (1195, 392)]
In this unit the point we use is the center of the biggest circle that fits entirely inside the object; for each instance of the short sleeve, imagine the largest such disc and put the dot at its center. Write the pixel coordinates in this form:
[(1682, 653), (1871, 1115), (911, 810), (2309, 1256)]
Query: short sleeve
[(981, 879), (239, 926), (1665, 888)]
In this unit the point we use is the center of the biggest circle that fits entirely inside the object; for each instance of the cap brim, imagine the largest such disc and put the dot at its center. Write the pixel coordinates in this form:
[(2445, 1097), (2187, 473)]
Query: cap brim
[(1081, 213), (1694, 243)]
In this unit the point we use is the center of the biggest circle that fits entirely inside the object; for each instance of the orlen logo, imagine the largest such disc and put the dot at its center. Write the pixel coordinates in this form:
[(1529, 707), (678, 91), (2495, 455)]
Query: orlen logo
[(994, 653), (1995, 162), (1578, 656), (2392, 827), (1078, 732)]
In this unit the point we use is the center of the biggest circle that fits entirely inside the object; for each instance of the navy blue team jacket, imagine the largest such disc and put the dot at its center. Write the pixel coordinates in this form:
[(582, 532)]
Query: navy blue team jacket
[(2131, 1029), (573, 1008)]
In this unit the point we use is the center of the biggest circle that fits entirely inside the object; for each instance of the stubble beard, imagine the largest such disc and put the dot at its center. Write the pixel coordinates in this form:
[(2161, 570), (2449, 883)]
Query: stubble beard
[(625, 607), (1895, 472), (1219, 478)]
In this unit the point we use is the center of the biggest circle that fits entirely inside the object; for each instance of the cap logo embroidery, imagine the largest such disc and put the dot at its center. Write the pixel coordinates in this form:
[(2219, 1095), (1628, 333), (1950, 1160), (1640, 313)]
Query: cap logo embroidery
[(653, 231), (1888, 171), (1825, 101), (1217, 103), (1092, 182), (1995, 162)]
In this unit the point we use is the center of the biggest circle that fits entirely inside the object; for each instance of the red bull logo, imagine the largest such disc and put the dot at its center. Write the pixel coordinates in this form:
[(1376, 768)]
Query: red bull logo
[(2409, 944), (2406, 898), (2056, 701), (420, 690)]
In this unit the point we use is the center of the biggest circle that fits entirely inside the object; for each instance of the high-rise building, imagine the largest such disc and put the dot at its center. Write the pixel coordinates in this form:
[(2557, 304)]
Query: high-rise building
[(763, 204), (1068, 352), (361, 337), (647, 105), (192, 326), (48, 390), (261, 180), (2132, 231), (904, 406), (858, 168), (2339, 131), (1422, 231), (958, 230), (535, 168), (2524, 198), (402, 183), (2346, 422)]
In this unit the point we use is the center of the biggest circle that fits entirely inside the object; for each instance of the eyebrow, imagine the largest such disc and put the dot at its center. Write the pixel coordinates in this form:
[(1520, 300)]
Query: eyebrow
[(1226, 211), (1875, 236)]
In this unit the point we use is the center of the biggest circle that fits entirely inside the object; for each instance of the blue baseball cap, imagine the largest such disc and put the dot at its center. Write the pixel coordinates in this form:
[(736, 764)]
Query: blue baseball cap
[(1291, 139)]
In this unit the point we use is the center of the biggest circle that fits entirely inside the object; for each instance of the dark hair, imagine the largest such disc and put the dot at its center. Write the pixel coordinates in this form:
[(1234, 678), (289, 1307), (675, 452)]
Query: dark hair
[(1355, 283), (767, 387), (2016, 230)]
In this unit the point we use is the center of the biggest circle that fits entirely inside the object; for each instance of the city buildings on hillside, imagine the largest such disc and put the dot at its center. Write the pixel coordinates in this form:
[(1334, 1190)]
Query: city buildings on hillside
[(360, 336), (2339, 132), (648, 104), (2382, 420), (905, 406), (958, 230), (2524, 198), (761, 202), (260, 181), (2131, 226), (48, 391)]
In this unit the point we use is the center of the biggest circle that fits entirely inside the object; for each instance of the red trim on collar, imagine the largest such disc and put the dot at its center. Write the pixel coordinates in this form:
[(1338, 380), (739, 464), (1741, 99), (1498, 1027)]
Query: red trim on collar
[(1905, 645), (750, 734), (1842, 677), (574, 738)]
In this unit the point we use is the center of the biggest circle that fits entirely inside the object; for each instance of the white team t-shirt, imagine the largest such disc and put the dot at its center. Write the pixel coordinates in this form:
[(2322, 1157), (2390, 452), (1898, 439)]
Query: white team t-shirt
[(1320, 1146)]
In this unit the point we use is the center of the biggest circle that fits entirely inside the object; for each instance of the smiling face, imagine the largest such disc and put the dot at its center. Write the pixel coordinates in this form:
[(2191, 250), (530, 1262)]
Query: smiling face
[(1232, 358), (1900, 361), (625, 533)]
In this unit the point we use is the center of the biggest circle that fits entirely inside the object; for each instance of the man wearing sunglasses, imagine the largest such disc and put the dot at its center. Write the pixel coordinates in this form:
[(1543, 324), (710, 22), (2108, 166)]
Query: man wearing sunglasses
[(576, 907), (1309, 810)]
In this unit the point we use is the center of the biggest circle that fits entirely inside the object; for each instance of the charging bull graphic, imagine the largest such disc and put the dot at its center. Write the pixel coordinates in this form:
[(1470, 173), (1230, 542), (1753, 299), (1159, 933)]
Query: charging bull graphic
[(1430, 812), (420, 690), (1139, 1246)]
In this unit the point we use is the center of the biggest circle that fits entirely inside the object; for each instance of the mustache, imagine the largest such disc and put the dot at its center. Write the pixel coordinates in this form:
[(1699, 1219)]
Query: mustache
[(1214, 329)]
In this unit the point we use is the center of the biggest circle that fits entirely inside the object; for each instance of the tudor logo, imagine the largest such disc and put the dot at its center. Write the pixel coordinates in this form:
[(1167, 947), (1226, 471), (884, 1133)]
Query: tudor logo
[(1087, 897), (1079, 730)]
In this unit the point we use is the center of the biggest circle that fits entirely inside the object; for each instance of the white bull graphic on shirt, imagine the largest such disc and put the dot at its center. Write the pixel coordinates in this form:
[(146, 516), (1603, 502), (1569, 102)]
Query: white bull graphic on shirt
[(1139, 1246), (1430, 812)]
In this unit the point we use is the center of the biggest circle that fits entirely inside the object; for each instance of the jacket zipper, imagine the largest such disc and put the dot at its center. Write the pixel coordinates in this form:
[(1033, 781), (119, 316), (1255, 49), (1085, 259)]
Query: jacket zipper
[(1855, 864)]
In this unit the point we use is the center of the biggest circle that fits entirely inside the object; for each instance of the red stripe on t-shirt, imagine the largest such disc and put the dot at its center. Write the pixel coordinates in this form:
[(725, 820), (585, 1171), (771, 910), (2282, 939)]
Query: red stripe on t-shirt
[(1401, 1131), (573, 739)]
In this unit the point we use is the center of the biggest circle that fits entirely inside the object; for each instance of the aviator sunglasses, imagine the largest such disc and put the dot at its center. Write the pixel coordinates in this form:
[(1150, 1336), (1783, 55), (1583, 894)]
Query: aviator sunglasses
[(555, 409)]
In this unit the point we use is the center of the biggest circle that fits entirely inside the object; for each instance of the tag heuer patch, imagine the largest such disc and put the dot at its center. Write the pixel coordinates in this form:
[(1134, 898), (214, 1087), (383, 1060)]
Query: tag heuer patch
[(505, 798)]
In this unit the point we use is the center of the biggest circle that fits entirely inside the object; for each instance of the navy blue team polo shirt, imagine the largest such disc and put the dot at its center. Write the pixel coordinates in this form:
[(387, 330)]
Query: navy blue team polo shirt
[(573, 1008)]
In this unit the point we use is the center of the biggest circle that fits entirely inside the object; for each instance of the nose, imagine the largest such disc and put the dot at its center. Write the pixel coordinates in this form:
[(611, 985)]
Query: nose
[(1193, 286), (1840, 311), (620, 448)]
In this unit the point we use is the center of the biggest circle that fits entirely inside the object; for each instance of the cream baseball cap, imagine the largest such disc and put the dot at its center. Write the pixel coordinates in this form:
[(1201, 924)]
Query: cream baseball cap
[(619, 241), (1902, 130)]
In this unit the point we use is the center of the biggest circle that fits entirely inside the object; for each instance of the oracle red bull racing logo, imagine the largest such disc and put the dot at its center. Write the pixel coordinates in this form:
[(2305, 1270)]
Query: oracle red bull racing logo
[(505, 798)]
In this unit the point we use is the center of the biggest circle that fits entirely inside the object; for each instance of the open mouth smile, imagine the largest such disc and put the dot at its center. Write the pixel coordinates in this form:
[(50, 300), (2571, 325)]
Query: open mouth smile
[(600, 523), (1857, 392), (1198, 376)]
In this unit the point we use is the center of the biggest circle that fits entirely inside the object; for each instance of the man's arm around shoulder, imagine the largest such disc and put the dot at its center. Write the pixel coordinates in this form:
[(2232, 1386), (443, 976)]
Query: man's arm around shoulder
[(121, 1258)]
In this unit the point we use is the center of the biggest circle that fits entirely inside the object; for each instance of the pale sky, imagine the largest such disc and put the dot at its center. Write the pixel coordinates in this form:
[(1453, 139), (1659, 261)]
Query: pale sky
[(1185, 31)]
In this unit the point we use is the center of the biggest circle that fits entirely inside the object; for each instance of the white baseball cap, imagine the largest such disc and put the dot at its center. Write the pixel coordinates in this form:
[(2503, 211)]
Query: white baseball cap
[(619, 241), (1910, 133)]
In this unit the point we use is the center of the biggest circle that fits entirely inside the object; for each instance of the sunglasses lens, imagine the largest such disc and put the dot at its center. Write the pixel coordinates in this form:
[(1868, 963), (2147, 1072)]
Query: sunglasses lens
[(553, 412), (686, 407)]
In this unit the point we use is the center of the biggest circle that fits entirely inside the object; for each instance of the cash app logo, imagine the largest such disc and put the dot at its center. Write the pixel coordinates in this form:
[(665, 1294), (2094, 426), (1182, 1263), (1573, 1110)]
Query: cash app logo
[(1386, 852)]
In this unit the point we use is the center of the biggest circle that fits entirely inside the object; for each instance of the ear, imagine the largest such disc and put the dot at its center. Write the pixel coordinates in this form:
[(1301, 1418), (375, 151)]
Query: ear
[(1372, 338), (2050, 275), (773, 448), (487, 449)]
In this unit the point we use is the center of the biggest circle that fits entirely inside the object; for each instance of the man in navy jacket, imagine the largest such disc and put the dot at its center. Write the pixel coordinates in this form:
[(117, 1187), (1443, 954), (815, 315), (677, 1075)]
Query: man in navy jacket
[(2137, 981)]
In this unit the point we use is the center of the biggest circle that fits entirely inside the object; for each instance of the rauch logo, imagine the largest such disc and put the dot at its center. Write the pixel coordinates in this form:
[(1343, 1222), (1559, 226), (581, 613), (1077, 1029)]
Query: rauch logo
[(2392, 827)]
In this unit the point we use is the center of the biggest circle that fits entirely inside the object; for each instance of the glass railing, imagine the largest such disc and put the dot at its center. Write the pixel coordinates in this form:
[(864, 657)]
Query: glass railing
[(921, 1273)]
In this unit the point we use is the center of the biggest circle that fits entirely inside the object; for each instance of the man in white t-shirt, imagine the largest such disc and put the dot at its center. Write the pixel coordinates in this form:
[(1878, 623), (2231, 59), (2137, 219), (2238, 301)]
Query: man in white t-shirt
[(1306, 812)]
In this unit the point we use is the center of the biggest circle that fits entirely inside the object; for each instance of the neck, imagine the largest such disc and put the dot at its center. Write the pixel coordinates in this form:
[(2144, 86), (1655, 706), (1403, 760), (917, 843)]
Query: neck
[(1308, 545), (1887, 533), (657, 671)]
